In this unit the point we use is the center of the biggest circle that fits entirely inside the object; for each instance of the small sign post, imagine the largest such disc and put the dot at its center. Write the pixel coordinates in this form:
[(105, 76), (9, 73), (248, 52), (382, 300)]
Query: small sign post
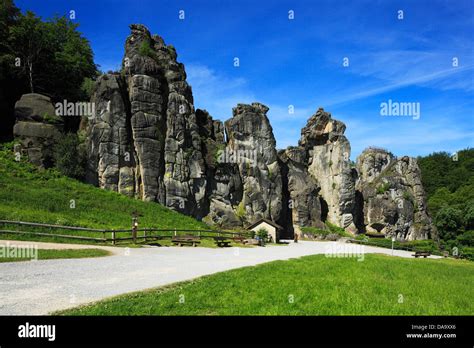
[(134, 227)]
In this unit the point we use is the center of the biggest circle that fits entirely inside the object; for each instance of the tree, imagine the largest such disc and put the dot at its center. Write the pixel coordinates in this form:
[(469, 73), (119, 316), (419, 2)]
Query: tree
[(449, 222), (56, 57), (469, 216), (442, 197), (55, 60), (9, 14), (73, 61), (29, 40)]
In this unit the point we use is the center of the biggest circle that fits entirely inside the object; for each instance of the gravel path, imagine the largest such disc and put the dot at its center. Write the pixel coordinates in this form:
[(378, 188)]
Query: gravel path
[(40, 287), (56, 246)]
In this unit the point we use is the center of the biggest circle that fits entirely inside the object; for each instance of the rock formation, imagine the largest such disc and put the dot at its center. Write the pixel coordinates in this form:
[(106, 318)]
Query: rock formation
[(144, 136), (328, 154), (37, 128), (147, 141), (251, 142), (300, 193), (392, 199)]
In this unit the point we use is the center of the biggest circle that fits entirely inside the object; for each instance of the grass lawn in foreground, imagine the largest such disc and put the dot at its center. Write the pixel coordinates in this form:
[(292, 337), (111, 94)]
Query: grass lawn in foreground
[(312, 285), (48, 254)]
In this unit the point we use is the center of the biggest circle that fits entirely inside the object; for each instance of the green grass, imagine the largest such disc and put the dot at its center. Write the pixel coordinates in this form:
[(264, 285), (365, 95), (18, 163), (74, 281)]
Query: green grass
[(331, 229), (379, 285), (33, 195), (49, 254)]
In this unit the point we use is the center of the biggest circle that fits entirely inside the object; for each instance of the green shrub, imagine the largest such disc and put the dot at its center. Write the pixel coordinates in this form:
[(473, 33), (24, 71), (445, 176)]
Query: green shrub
[(219, 151), (383, 188), (240, 211), (68, 159), (87, 88), (326, 234), (337, 230), (416, 245), (51, 119), (263, 234), (467, 238), (145, 50), (313, 231), (362, 237), (449, 221), (421, 245), (270, 174), (408, 197), (467, 253)]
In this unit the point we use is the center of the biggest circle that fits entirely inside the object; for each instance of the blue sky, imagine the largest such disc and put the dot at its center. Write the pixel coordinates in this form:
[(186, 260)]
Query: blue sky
[(299, 62)]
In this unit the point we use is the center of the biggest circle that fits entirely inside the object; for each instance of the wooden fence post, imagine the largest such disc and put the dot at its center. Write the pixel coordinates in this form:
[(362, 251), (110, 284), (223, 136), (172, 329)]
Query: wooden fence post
[(113, 237), (144, 234)]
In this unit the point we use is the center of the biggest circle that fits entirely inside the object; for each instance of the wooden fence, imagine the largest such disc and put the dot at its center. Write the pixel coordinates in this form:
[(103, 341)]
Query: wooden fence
[(130, 234)]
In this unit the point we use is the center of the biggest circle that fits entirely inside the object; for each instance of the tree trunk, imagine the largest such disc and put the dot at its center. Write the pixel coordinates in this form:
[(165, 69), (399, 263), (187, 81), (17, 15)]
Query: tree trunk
[(30, 68)]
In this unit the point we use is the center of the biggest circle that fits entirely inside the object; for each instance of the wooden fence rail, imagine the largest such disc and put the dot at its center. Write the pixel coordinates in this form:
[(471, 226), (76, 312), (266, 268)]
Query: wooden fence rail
[(148, 233)]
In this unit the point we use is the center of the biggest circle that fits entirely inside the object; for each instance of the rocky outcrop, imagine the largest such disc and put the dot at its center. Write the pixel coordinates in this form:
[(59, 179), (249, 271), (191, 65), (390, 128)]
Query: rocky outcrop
[(252, 147), (34, 107), (392, 196), (110, 155), (302, 203), (164, 125), (37, 129), (146, 140), (224, 186), (328, 155)]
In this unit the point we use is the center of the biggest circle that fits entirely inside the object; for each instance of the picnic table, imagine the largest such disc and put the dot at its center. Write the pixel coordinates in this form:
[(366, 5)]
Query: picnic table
[(424, 254), (182, 240), (239, 239), (222, 242)]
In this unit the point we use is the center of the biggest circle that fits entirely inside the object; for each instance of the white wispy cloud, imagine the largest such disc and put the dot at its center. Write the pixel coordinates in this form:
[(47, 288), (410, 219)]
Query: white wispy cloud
[(436, 130), (215, 92), (392, 71)]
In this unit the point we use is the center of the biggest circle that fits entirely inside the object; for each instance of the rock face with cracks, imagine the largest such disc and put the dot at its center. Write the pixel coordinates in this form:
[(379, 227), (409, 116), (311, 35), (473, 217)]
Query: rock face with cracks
[(37, 129), (328, 154), (392, 198), (146, 140)]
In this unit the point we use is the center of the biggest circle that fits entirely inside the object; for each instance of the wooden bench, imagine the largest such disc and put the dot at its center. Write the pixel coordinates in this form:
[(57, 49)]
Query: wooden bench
[(222, 242), (424, 254), (182, 240)]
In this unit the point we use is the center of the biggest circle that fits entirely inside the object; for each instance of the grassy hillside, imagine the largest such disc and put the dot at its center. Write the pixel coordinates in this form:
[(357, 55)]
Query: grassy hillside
[(312, 285), (30, 194)]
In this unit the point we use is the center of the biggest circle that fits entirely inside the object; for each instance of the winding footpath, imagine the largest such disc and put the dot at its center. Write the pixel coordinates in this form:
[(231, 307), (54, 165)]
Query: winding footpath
[(44, 286)]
